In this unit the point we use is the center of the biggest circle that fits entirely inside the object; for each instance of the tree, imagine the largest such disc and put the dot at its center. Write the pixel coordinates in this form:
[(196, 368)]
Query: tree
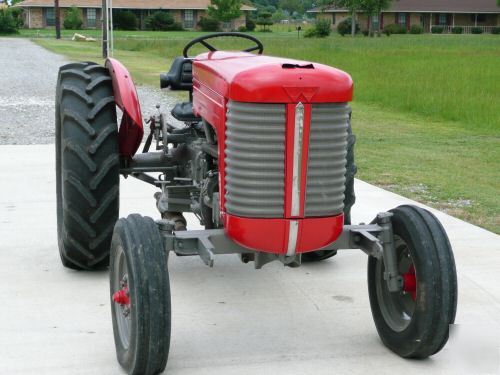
[(352, 5), (292, 6), (371, 7), (8, 24), (374, 7), (224, 10), (264, 19)]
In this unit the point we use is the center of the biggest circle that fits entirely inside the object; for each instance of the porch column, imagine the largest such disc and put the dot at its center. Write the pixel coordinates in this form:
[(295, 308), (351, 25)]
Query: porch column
[(475, 20), (453, 20), (430, 23)]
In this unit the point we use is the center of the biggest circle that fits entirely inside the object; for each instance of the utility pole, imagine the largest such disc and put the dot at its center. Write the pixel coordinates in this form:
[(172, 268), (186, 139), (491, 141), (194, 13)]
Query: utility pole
[(104, 17), (58, 19)]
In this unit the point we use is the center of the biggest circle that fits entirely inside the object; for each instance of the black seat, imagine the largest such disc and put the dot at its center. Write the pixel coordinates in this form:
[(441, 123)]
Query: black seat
[(184, 112), (180, 75)]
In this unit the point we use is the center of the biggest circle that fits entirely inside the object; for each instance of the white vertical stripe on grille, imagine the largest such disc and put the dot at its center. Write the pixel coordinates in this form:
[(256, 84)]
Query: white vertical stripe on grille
[(293, 233), (297, 158)]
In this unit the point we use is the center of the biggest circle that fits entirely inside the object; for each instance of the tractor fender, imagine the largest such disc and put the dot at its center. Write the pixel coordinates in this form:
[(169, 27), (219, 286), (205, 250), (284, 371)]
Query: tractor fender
[(131, 127)]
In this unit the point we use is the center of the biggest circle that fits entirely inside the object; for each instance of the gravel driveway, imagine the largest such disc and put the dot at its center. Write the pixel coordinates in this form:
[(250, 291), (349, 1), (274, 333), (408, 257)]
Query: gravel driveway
[(28, 75)]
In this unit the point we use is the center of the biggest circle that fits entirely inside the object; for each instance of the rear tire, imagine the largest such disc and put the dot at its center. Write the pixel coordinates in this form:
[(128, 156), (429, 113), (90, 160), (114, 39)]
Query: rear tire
[(349, 198), (87, 165), (415, 323), (141, 323)]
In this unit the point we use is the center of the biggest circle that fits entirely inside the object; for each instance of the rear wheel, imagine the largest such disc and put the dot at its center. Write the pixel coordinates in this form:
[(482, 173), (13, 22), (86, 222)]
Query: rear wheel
[(349, 198), (414, 322), (140, 293), (87, 165)]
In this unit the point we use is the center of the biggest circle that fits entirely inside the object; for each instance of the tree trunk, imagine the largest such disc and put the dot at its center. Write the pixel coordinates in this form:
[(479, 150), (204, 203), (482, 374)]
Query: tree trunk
[(353, 23), (58, 19), (104, 17)]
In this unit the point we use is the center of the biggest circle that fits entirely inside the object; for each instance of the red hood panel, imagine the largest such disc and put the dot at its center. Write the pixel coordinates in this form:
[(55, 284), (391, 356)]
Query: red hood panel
[(245, 77)]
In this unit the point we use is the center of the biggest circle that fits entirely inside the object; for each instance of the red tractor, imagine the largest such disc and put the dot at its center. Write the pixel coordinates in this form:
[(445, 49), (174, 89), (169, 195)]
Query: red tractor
[(265, 161)]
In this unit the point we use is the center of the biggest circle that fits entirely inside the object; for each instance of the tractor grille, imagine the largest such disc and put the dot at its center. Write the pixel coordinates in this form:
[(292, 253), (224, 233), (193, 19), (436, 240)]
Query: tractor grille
[(327, 160), (255, 159)]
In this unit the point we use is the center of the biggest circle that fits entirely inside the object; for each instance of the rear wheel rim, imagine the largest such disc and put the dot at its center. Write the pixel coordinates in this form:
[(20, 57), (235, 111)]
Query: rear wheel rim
[(123, 312), (397, 308)]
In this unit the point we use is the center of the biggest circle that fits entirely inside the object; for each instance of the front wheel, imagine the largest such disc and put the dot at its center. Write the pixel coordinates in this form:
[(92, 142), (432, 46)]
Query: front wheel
[(140, 294), (414, 322)]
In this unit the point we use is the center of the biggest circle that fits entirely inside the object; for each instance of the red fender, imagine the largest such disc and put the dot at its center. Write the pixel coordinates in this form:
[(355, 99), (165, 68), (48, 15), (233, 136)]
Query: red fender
[(131, 127)]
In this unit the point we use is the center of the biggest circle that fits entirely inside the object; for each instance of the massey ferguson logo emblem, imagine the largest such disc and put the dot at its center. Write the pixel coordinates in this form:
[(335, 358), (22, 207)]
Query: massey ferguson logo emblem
[(304, 94)]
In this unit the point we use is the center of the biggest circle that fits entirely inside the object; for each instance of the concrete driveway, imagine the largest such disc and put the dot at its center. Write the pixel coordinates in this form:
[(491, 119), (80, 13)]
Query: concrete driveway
[(231, 319)]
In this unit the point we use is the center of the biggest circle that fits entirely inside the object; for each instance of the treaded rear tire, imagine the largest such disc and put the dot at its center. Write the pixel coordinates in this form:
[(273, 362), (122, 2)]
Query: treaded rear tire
[(87, 165), (138, 240), (349, 197)]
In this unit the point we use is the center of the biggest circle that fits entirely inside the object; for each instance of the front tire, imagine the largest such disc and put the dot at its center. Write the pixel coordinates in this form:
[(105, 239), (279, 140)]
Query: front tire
[(414, 322), (140, 293), (87, 165)]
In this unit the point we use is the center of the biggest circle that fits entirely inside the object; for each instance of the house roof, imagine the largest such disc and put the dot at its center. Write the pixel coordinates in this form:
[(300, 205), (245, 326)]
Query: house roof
[(434, 6), (126, 4)]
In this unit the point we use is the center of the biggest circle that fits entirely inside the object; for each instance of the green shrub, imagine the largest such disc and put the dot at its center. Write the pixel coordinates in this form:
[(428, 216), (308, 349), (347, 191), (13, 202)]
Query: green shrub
[(495, 30), (394, 29), (416, 29), (437, 29), (250, 24), (242, 29), (457, 30), (124, 20), (310, 33), (323, 28), (8, 23), (162, 21), (208, 24), (344, 27), (73, 20), (476, 30)]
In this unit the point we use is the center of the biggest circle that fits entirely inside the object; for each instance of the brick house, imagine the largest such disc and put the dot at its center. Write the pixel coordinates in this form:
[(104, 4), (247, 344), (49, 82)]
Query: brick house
[(426, 13), (40, 13)]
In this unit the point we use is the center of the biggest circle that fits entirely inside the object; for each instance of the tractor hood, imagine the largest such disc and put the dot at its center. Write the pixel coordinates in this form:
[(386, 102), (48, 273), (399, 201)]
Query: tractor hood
[(246, 77)]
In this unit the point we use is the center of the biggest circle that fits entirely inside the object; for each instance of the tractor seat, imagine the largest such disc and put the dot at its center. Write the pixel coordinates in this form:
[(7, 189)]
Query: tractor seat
[(184, 112)]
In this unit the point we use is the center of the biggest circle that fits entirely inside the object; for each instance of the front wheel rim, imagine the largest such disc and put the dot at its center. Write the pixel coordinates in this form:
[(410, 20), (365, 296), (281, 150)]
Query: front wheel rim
[(397, 308), (121, 298)]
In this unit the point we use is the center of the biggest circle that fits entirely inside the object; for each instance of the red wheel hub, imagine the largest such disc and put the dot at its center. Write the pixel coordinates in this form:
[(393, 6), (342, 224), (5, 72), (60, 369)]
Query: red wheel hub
[(121, 297), (410, 282)]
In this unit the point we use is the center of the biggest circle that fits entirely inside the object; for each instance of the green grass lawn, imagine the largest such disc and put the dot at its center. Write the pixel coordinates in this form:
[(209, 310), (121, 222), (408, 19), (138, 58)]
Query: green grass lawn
[(426, 109)]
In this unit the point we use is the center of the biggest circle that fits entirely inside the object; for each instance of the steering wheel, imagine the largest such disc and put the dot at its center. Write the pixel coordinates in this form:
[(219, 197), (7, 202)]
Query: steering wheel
[(203, 41)]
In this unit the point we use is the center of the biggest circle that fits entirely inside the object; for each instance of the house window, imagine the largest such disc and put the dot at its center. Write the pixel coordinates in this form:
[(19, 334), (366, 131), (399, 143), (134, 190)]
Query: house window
[(91, 17), (479, 17), (333, 18), (402, 19), (443, 19), (227, 25), (375, 22), (189, 19), (50, 17)]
